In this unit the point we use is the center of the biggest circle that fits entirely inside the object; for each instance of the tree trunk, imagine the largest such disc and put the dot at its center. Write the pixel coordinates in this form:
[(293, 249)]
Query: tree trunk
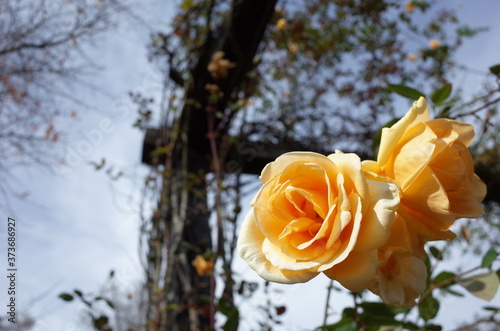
[(180, 299)]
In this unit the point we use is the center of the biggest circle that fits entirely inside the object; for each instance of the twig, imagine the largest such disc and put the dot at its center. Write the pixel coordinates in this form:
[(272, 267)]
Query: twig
[(327, 305), (445, 283), (219, 248)]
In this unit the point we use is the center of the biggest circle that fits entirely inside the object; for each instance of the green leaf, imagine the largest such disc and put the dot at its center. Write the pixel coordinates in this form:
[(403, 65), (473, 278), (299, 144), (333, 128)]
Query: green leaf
[(349, 312), (411, 326), (428, 308), (436, 253), (399, 310), (377, 308), (489, 258), (443, 276), (345, 324), (433, 327), (100, 322), (391, 328), (489, 308), (406, 91), (78, 292), (455, 293), (110, 304), (495, 70), (66, 296), (483, 286), (441, 93), (187, 4), (232, 314), (233, 321), (378, 314)]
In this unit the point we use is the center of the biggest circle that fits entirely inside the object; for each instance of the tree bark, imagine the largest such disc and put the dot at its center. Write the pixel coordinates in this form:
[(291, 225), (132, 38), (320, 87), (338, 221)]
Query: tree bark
[(186, 302)]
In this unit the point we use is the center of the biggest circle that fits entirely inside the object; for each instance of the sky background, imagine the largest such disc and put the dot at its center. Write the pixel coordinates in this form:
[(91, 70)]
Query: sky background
[(76, 224)]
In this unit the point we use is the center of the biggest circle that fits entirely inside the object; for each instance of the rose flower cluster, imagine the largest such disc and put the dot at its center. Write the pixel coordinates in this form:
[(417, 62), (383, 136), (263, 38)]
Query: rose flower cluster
[(365, 223)]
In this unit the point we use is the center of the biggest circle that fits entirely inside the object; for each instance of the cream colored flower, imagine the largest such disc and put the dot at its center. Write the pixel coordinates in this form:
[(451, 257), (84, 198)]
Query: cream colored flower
[(411, 57), (410, 6), (402, 278), (219, 66), (430, 162), (318, 214), (280, 25), (401, 275), (202, 266), (433, 44)]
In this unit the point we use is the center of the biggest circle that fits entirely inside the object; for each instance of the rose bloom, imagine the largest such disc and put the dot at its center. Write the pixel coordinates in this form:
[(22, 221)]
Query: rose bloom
[(202, 266), (280, 25), (433, 44), (318, 214), (430, 162), (402, 274), (410, 6)]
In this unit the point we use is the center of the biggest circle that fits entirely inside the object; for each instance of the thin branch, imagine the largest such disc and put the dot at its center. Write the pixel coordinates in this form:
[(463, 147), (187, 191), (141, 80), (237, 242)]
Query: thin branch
[(445, 283), (327, 305)]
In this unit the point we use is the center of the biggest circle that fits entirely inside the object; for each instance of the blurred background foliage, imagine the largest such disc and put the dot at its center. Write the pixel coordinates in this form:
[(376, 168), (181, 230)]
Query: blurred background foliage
[(326, 75)]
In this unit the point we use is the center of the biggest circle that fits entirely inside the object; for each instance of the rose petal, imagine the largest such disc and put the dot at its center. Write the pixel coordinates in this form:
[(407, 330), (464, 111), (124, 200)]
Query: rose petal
[(250, 243), (382, 204), (431, 226), (357, 272), (349, 233), (282, 162), (390, 136), (281, 259), (427, 194), (412, 157), (451, 131), (372, 167), (349, 165), (404, 239), (401, 280)]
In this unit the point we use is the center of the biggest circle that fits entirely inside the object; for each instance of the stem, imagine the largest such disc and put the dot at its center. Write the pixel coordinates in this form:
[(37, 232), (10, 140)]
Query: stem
[(486, 105), (218, 244), (483, 98), (327, 305), (445, 283)]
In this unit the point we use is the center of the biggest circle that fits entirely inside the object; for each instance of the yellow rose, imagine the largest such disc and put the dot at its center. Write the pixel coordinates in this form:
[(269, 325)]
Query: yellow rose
[(430, 162), (318, 214), (402, 274), (401, 279)]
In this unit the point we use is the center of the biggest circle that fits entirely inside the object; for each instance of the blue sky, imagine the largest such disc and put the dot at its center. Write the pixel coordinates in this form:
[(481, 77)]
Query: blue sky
[(77, 225)]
